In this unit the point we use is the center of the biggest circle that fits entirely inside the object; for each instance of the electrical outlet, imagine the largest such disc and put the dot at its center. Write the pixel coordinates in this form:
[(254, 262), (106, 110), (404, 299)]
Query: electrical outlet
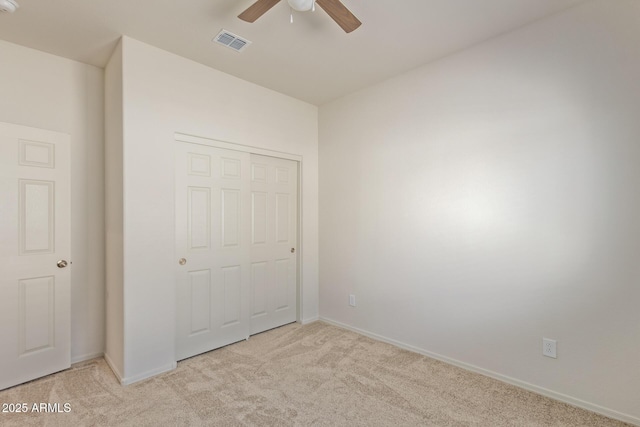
[(549, 348), (352, 300)]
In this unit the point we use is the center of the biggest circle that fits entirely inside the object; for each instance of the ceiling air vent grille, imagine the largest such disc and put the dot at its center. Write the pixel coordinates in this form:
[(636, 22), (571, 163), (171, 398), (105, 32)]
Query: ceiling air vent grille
[(231, 41)]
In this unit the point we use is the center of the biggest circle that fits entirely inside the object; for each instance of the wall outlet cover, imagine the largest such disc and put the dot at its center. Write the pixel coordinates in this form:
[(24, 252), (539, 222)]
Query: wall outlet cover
[(549, 348)]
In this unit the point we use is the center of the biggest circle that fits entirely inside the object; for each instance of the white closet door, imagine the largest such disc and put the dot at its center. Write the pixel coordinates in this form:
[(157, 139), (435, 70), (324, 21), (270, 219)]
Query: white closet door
[(274, 214), (212, 247), (35, 238)]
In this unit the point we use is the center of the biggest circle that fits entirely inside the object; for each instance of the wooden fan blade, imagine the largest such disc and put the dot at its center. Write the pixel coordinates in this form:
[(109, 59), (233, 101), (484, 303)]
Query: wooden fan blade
[(257, 9), (339, 13)]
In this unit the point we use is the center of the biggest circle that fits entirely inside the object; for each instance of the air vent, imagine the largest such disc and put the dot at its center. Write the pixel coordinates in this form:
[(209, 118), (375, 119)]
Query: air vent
[(231, 41)]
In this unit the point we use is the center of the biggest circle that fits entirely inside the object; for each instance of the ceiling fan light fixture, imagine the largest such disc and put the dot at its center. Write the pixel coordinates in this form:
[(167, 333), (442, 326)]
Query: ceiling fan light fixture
[(302, 5), (8, 6), (334, 8)]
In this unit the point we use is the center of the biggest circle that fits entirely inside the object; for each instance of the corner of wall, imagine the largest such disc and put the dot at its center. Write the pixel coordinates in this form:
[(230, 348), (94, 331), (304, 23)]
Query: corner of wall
[(114, 232)]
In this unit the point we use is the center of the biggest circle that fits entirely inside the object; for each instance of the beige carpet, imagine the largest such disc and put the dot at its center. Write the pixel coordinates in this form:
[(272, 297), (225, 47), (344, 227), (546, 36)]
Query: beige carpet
[(296, 375)]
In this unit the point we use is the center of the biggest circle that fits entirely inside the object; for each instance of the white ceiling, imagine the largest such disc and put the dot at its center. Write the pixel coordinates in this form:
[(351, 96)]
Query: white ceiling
[(311, 59)]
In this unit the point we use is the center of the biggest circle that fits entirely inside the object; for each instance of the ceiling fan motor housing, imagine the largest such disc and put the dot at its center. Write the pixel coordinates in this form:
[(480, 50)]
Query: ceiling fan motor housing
[(301, 5), (8, 6)]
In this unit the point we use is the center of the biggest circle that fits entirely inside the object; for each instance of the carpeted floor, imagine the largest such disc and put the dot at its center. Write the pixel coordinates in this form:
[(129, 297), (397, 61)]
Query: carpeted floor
[(296, 375)]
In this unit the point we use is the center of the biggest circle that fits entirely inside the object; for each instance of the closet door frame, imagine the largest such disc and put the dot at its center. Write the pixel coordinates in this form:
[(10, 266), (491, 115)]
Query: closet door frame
[(209, 142)]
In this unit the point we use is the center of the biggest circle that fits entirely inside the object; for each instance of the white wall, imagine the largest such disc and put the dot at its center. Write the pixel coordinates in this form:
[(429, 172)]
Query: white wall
[(163, 94), (487, 200), (114, 213), (49, 92)]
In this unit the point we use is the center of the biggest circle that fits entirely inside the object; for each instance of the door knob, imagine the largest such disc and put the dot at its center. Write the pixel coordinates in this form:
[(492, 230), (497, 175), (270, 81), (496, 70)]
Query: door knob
[(62, 263), (293, 250), (182, 261)]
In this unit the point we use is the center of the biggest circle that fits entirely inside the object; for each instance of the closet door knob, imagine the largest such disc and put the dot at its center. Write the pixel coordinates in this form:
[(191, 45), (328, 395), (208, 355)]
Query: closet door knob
[(293, 250), (182, 261), (62, 263)]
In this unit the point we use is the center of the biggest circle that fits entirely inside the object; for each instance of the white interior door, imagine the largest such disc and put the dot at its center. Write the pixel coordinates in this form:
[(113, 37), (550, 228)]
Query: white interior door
[(212, 244), (274, 215), (34, 225)]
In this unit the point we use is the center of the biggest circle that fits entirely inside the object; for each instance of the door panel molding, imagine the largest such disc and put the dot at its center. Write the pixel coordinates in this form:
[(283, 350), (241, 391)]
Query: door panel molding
[(183, 137)]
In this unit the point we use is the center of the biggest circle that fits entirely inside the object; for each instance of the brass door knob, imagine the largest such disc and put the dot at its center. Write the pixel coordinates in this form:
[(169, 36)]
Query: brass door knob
[(182, 261)]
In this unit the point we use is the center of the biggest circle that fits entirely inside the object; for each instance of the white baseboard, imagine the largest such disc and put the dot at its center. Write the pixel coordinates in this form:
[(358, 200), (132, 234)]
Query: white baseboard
[(148, 374), (310, 320), (85, 357), (513, 381), (139, 377), (115, 370)]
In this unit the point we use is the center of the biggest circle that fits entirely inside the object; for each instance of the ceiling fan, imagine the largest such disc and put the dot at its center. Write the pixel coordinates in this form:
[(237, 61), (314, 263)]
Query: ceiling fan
[(336, 10)]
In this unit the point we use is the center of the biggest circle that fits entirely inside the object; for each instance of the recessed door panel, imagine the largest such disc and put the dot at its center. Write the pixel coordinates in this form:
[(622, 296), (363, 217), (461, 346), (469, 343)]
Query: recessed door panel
[(232, 294), (199, 208), (199, 164), (230, 217), (258, 172), (282, 175), (37, 314), (200, 287), (37, 208), (259, 279), (37, 154), (231, 168), (282, 218), (281, 287), (258, 218)]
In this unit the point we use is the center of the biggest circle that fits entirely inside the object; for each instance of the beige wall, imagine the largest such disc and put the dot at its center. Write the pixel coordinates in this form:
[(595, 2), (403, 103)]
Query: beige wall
[(49, 92), (163, 94), (473, 205), (114, 216), (482, 202)]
